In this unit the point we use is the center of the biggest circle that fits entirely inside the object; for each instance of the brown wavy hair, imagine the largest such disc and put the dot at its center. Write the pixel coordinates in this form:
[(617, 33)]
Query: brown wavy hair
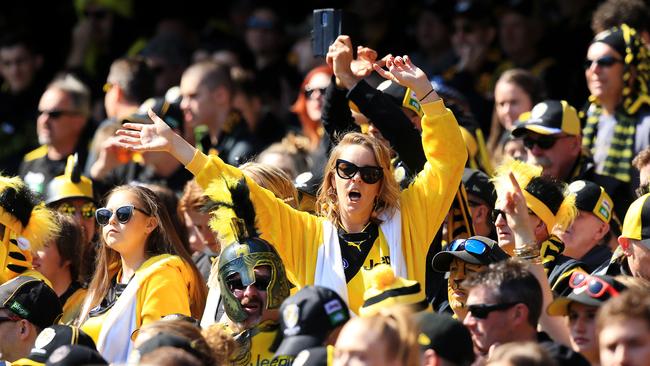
[(162, 240), (388, 198)]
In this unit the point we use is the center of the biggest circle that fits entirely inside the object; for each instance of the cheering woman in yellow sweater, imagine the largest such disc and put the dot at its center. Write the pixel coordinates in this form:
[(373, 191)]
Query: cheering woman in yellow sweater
[(364, 218), (143, 272)]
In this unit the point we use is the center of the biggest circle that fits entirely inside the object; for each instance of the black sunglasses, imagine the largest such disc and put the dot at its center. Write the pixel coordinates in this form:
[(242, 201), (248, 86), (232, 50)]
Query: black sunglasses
[(543, 142), (123, 214), (57, 113), (309, 92), (605, 61), (482, 311), (235, 283), (494, 215), (87, 210), (369, 174)]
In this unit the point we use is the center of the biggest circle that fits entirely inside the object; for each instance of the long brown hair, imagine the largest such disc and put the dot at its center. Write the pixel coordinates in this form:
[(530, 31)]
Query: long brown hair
[(388, 198), (531, 85), (162, 240)]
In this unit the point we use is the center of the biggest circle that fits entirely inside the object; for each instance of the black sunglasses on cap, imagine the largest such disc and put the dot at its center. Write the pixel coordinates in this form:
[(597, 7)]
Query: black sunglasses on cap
[(103, 215), (605, 61), (482, 311), (369, 174)]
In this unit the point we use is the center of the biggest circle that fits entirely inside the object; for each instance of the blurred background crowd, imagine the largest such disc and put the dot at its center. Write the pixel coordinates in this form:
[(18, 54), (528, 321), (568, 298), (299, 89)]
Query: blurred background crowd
[(550, 94)]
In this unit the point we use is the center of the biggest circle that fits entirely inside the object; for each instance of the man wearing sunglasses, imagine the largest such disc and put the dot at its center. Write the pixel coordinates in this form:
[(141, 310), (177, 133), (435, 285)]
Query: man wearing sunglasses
[(550, 209), (253, 283), (552, 137), (63, 129), (463, 258), (504, 305), (27, 306)]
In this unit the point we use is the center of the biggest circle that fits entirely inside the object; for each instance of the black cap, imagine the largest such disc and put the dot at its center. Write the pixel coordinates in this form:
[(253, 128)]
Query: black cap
[(456, 249), (75, 355), (447, 336), (31, 299), (560, 306), (478, 183), (307, 317), (550, 117), (592, 198), (55, 336)]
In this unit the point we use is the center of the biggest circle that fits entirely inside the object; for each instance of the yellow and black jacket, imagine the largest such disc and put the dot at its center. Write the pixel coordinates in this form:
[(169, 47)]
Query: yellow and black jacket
[(423, 206)]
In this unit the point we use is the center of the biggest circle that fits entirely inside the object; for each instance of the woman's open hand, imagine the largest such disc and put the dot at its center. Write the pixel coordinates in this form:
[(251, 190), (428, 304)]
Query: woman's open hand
[(402, 71), (155, 137)]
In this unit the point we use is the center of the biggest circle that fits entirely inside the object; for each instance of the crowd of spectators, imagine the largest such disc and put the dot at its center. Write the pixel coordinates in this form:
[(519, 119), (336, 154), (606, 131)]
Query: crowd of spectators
[(456, 182)]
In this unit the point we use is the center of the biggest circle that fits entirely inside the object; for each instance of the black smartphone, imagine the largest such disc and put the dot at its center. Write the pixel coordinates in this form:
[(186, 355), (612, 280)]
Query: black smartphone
[(326, 27)]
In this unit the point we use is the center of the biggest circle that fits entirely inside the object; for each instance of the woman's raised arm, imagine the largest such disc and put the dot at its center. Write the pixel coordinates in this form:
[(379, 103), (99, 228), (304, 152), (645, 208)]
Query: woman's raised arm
[(155, 137)]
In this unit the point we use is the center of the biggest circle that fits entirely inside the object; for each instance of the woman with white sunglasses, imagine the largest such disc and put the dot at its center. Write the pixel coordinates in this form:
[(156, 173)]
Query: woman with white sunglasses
[(364, 219), (143, 272)]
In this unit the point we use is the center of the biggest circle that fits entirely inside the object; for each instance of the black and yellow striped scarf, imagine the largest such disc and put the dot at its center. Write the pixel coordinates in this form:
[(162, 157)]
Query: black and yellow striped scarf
[(618, 162)]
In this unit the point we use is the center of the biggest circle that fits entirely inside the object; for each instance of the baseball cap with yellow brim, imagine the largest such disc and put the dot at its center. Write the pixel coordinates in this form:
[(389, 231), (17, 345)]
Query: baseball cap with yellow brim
[(592, 198), (550, 117), (636, 225)]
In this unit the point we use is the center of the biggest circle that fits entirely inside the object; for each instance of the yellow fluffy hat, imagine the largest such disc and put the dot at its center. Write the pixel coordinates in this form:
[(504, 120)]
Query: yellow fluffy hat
[(525, 174), (388, 290)]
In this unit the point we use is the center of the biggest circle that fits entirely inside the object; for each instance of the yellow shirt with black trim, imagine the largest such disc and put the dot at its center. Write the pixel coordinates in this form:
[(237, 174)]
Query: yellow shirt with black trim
[(164, 291), (424, 204)]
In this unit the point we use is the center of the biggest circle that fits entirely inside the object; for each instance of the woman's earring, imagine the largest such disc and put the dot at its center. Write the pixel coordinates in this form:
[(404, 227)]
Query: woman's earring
[(332, 193), (375, 204)]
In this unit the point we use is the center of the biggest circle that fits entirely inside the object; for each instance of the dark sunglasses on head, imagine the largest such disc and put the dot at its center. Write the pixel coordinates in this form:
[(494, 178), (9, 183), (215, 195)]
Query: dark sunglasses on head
[(123, 214), (596, 287), (605, 61), (57, 113), (369, 174), (543, 142), (235, 283), (310, 92), (87, 210), (482, 311)]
